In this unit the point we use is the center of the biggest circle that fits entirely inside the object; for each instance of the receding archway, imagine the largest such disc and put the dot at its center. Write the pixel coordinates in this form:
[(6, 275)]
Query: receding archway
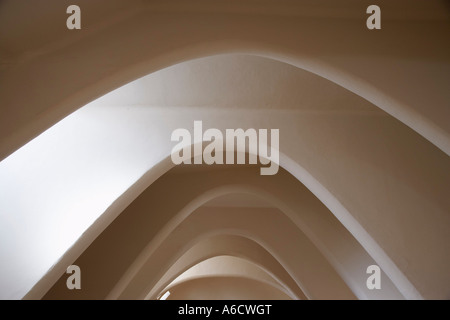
[(147, 198), (330, 198)]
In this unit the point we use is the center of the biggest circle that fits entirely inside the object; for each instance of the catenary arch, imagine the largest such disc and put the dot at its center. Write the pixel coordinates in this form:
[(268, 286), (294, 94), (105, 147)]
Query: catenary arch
[(143, 264), (302, 260), (226, 266), (229, 266), (135, 190), (120, 58), (419, 123), (328, 199), (227, 287), (229, 245), (323, 283), (416, 84)]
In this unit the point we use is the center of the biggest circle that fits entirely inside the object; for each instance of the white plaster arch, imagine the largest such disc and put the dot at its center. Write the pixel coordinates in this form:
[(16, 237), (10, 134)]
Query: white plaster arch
[(203, 201), (320, 282), (229, 266), (345, 216), (251, 32), (235, 287), (293, 168), (216, 246), (179, 218)]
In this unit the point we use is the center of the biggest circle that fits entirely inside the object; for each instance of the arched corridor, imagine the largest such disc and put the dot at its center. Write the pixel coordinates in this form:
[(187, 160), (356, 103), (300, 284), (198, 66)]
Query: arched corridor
[(86, 176)]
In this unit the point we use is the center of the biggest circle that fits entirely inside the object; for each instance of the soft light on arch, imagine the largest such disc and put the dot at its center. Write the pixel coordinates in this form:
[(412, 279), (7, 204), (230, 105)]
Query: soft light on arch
[(336, 207)]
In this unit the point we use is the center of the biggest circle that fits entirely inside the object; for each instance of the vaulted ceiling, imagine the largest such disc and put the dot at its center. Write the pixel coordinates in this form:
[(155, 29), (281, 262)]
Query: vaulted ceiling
[(86, 176)]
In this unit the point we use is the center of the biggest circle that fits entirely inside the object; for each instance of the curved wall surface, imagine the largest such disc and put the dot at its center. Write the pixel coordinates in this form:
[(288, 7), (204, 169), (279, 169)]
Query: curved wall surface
[(87, 116)]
